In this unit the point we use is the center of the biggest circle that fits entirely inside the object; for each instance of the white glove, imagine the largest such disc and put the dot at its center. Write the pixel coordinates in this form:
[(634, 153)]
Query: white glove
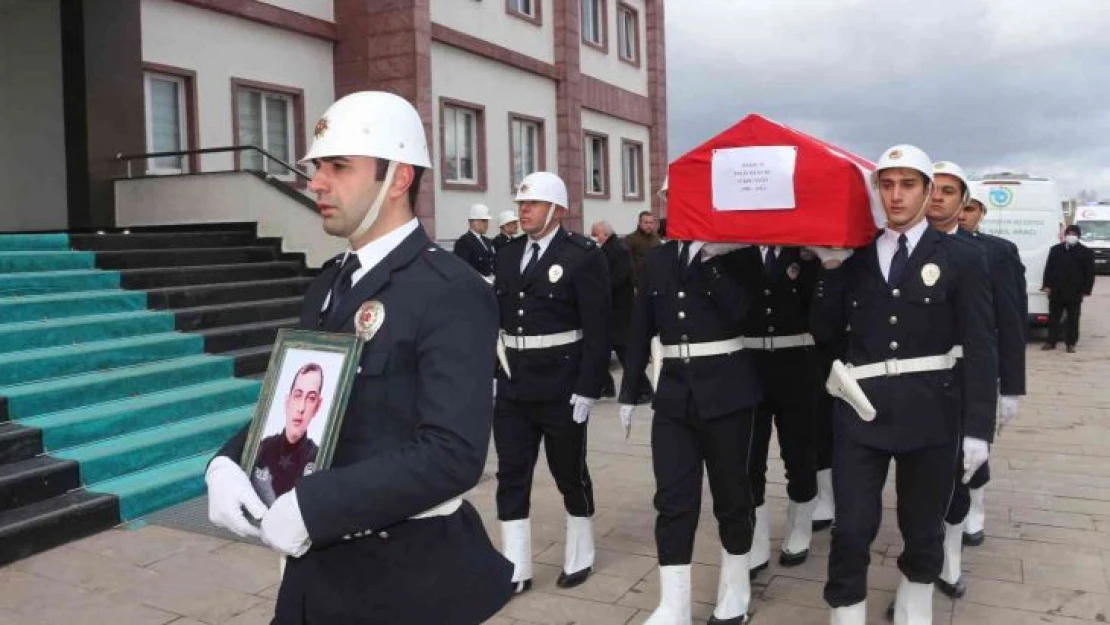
[(709, 250), (582, 406), (283, 527), (976, 452), (229, 491), (829, 254), (626, 417), (1007, 409)]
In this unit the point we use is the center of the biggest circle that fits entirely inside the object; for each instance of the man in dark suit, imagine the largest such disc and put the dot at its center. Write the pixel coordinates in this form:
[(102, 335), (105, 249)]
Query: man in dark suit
[(918, 379), (553, 290), (690, 310), (1069, 276), (951, 192), (382, 536), (284, 457), (474, 247), (509, 224), (776, 330), (623, 291)]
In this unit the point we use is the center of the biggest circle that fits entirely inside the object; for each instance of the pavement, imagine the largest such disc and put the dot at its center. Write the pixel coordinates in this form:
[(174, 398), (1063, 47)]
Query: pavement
[(1046, 559)]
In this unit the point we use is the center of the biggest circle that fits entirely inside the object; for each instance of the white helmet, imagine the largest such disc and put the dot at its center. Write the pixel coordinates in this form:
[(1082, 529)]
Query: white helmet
[(507, 217), (543, 186), (479, 211), (979, 194), (952, 169), (371, 123), (907, 156), (666, 185)]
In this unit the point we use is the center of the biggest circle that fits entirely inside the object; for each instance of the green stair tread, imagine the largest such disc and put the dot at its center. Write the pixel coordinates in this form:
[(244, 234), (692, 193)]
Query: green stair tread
[(65, 322), (235, 417), (67, 273), (61, 298), (86, 349), (86, 329), (51, 241), (112, 375), (45, 260), (159, 487), (39, 282), (69, 304)]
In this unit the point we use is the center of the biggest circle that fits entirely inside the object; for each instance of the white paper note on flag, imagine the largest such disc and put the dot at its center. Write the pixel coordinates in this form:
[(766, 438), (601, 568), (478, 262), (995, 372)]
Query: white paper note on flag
[(755, 178)]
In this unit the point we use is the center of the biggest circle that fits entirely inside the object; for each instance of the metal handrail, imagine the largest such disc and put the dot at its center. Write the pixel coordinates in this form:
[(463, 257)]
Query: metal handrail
[(231, 148)]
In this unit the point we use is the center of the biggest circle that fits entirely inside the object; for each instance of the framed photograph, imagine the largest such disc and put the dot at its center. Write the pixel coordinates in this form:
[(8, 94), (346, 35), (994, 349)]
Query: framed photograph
[(300, 410)]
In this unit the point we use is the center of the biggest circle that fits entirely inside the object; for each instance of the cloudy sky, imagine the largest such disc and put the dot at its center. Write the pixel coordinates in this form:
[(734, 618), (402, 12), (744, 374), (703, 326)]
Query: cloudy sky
[(1017, 85)]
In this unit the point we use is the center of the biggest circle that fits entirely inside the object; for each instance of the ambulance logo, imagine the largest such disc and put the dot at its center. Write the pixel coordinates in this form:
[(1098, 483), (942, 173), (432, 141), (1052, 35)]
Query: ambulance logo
[(1001, 197)]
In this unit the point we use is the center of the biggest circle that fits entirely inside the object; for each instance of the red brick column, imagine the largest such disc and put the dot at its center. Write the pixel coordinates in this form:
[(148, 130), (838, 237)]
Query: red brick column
[(657, 94), (386, 46), (569, 107)]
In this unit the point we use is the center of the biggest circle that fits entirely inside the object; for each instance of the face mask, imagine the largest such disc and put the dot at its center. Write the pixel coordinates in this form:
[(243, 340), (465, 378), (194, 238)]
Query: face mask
[(1071, 239)]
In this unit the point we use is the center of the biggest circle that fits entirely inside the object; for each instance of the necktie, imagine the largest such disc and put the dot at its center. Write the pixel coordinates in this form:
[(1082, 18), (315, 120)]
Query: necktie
[(535, 258), (342, 284), (769, 261), (684, 255), (898, 263)]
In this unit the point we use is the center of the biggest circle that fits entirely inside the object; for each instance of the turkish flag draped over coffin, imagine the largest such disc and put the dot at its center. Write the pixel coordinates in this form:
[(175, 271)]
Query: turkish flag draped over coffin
[(761, 182)]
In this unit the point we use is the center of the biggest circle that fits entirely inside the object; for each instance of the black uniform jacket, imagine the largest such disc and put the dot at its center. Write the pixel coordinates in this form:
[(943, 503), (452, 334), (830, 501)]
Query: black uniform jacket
[(567, 290), (500, 241), (1070, 273), (908, 320), (415, 434), (1011, 304), (480, 257), (700, 303), (621, 285)]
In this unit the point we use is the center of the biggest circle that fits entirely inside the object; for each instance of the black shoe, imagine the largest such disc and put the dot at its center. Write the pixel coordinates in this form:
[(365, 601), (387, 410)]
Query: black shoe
[(820, 525), (1048, 346), (574, 579), (974, 540), (757, 570), (1071, 349), (521, 587), (953, 591), (793, 559), (743, 618)]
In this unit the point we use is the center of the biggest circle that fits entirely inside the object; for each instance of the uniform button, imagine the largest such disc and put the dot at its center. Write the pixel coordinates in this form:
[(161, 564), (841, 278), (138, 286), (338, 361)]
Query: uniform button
[(681, 315), (521, 295), (766, 291), (685, 338), (896, 293), (855, 304), (770, 328), (520, 330), (894, 345), (926, 300), (686, 360), (768, 311), (383, 535), (681, 294), (520, 313), (359, 370), (893, 320)]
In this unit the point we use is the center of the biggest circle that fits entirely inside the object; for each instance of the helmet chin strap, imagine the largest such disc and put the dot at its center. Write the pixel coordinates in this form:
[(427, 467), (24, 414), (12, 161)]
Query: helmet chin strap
[(372, 214)]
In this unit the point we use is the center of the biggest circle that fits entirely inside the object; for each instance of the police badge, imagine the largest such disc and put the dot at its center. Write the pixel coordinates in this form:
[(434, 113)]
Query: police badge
[(930, 274), (369, 319), (554, 273)]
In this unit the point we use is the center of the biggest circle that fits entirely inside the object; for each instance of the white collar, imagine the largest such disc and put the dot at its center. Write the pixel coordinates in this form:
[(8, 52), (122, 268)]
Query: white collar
[(913, 235), (374, 252)]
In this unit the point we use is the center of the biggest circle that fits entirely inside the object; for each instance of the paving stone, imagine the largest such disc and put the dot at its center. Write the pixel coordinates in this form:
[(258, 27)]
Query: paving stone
[(146, 545)]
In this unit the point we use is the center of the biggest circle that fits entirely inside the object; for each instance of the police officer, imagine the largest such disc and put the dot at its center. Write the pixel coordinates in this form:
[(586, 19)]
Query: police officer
[(951, 192), (918, 374), (690, 310), (286, 456), (825, 509), (553, 291), (780, 284), (382, 535), (474, 247), (509, 224)]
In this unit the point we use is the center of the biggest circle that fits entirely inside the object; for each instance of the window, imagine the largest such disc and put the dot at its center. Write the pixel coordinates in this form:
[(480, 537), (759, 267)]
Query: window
[(526, 146), (166, 124), (462, 134), (270, 117), (628, 34), (528, 10), (597, 169), (632, 164), (593, 23)]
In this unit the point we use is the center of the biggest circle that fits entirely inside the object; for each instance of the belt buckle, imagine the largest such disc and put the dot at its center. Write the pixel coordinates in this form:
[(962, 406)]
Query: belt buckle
[(769, 343), (891, 365), (684, 351), (518, 342)]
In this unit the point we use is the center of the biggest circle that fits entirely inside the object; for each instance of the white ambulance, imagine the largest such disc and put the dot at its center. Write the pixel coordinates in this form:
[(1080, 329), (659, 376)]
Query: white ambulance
[(1094, 222), (1028, 211)]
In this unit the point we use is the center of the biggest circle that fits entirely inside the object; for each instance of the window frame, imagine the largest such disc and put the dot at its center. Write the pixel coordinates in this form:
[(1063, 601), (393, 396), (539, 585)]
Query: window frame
[(638, 146), (603, 27), (541, 144), (537, 9), (625, 8), (187, 100), (296, 128), (480, 145), (587, 153)]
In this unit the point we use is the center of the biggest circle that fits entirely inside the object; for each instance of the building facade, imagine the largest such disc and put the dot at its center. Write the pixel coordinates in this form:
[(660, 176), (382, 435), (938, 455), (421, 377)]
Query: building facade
[(505, 87)]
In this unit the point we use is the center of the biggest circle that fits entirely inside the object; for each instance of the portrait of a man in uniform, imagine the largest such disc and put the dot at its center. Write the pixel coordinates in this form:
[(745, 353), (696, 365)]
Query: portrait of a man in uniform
[(289, 454)]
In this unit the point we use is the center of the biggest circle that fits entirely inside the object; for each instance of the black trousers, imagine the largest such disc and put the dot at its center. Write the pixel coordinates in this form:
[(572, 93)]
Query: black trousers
[(823, 436), (681, 445), (1070, 309), (790, 392), (923, 483), (961, 494), (518, 429), (643, 384)]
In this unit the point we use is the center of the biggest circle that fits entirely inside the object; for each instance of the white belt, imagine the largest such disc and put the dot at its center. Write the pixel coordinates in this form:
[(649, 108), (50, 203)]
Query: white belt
[(543, 341), (894, 366), (443, 509), (771, 343), (698, 350)]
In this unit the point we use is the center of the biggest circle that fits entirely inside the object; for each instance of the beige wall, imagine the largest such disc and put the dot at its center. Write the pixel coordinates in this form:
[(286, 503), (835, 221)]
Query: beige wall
[(617, 210), (609, 66), (488, 20), (320, 9)]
